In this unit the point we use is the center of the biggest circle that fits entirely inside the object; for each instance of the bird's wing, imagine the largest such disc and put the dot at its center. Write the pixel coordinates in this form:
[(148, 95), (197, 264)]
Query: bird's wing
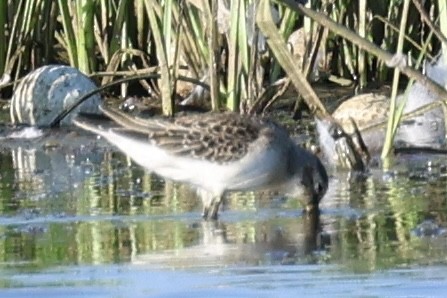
[(220, 138)]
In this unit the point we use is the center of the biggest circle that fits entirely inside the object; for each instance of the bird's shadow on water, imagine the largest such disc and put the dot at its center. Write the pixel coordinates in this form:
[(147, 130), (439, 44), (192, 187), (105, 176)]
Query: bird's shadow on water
[(279, 242)]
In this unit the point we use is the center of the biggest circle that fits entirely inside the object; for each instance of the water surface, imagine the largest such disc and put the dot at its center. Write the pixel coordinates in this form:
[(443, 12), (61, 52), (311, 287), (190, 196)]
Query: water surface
[(80, 219)]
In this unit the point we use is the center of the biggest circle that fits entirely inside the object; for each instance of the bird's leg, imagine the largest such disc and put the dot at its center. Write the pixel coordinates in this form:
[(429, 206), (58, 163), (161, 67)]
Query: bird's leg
[(211, 204), (359, 143)]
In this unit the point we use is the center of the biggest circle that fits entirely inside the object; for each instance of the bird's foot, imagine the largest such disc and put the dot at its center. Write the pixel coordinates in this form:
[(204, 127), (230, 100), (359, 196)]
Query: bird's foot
[(211, 204), (210, 212)]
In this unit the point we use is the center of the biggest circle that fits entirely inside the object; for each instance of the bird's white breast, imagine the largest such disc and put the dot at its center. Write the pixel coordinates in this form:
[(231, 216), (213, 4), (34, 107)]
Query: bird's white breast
[(261, 167)]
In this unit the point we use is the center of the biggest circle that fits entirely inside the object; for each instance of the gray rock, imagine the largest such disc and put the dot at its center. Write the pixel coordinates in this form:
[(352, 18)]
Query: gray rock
[(45, 92)]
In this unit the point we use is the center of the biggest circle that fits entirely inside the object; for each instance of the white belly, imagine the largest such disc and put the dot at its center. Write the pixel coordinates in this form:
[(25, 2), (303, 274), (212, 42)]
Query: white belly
[(262, 168)]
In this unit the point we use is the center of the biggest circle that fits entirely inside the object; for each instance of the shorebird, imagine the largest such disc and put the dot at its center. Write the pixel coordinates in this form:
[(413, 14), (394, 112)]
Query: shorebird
[(217, 153), (370, 112)]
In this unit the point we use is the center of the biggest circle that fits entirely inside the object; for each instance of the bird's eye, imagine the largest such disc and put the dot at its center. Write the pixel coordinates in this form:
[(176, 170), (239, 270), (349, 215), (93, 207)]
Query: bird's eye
[(320, 189)]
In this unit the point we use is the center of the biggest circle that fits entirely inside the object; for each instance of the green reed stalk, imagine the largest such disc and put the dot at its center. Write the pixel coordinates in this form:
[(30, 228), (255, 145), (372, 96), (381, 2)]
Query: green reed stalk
[(139, 11), (390, 132), (101, 25), (199, 47), (361, 62), (81, 43), (244, 54), (50, 23), (171, 53), (212, 14), (70, 38), (347, 61), (29, 16), (121, 16), (79, 35), (3, 41), (161, 43), (233, 92), (13, 42), (167, 31), (195, 48), (286, 26), (442, 8), (85, 35), (244, 75), (26, 27)]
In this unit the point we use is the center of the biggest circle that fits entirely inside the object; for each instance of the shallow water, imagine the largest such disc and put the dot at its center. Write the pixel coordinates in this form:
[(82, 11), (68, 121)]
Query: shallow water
[(79, 219)]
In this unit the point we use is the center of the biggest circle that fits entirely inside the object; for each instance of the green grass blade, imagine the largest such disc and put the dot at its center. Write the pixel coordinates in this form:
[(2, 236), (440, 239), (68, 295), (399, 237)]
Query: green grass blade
[(389, 138), (3, 42), (165, 81)]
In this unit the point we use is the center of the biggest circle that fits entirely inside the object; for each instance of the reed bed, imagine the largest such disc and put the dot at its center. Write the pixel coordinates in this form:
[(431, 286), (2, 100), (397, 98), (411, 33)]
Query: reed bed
[(223, 45)]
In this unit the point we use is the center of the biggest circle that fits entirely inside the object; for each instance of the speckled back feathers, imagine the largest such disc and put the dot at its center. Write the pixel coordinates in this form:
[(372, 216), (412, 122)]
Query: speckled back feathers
[(220, 138)]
